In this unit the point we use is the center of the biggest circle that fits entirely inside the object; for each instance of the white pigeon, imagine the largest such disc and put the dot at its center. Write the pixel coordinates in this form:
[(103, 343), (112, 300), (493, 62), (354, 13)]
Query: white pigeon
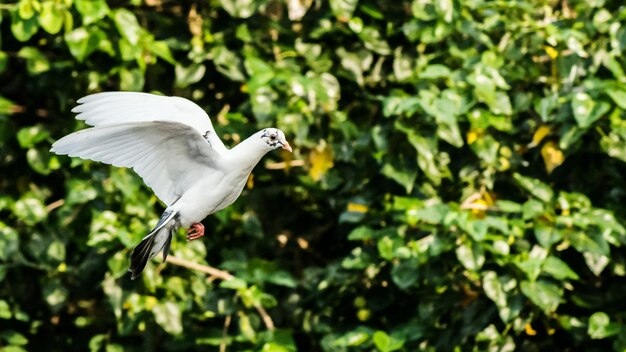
[(170, 142)]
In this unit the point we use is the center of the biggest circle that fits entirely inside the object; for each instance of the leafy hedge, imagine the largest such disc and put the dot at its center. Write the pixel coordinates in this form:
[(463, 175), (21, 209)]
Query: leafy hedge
[(457, 180)]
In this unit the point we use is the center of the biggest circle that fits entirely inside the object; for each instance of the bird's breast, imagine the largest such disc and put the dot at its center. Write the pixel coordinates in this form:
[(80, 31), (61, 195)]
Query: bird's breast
[(208, 197)]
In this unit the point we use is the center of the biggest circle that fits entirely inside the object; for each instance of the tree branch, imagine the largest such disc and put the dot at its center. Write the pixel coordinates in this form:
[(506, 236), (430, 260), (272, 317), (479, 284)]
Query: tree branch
[(217, 273), (223, 275), (267, 320)]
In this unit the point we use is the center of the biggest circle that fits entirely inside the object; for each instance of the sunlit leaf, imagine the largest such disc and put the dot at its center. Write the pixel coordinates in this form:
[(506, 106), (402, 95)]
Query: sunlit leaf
[(23, 29), (92, 10), (552, 156), (127, 25), (343, 9), (545, 294), (600, 326), (386, 343), (169, 317), (321, 160), (51, 17)]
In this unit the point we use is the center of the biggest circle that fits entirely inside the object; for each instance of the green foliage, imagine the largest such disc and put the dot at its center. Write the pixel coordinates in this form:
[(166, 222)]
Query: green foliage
[(456, 182)]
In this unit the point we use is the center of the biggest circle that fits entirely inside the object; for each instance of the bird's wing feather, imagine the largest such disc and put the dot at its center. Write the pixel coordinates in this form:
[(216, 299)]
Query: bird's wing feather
[(169, 156), (109, 108)]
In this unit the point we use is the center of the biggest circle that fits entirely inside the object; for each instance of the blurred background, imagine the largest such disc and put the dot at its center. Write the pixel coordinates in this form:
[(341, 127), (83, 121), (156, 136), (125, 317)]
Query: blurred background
[(457, 181)]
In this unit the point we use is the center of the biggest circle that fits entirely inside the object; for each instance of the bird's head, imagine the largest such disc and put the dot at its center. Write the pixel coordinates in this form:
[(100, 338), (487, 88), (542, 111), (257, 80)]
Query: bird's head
[(274, 138)]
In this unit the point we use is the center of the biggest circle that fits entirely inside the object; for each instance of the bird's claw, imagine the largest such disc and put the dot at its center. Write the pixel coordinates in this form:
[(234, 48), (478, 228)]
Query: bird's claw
[(195, 231)]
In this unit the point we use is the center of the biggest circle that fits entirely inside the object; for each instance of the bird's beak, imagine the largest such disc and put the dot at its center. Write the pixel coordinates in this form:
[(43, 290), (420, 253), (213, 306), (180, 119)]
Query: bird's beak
[(286, 146)]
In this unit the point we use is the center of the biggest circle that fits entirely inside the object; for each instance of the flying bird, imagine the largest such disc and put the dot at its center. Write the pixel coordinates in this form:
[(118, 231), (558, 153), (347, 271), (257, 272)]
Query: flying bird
[(171, 143)]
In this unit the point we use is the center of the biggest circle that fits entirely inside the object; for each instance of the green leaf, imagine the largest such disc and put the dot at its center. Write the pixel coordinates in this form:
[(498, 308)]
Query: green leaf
[(343, 9), (247, 330), (402, 172), (82, 42), (493, 288), (582, 104), (4, 60), (589, 241), (385, 247), (186, 76), (471, 255), (600, 326), (132, 80), (127, 25), (547, 235), (545, 294), (596, 262), (30, 210), (5, 310), (430, 161), (80, 192), (532, 265), (586, 110), (618, 95), (281, 278), (9, 242), (374, 40), (558, 269), (405, 273), (51, 16), (23, 29), (26, 8), (13, 338), (361, 233), (92, 10), (386, 343), (162, 50), (36, 61), (435, 71), (39, 160), (56, 251), (55, 294), (28, 137), (535, 187), (240, 8), (169, 317), (228, 63)]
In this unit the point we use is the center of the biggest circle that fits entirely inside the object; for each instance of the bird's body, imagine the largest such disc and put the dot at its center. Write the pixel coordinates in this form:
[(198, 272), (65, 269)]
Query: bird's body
[(170, 142)]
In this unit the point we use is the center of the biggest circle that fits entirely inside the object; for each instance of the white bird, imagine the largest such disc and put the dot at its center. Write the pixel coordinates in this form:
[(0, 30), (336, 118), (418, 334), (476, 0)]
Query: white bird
[(170, 142)]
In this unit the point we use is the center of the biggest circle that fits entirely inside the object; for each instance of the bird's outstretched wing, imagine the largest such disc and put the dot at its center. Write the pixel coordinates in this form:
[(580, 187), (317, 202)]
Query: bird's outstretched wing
[(170, 156), (110, 108)]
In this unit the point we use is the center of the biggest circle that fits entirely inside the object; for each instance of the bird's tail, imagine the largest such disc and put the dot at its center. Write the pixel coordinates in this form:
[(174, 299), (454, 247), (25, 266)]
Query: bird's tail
[(159, 239)]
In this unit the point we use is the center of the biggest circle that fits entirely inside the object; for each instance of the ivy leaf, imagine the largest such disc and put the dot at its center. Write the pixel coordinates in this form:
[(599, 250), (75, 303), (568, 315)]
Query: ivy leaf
[(92, 10), (51, 16), (386, 343), (82, 42), (23, 29)]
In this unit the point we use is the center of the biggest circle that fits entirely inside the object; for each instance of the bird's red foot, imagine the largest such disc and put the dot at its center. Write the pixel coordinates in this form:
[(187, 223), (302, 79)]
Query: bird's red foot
[(195, 231)]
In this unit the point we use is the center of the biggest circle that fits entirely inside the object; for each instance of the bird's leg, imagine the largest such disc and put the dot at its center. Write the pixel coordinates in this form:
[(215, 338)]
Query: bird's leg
[(195, 231)]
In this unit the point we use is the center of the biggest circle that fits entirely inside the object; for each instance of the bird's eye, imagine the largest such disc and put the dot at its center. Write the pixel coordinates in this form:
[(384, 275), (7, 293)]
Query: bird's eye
[(273, 137)]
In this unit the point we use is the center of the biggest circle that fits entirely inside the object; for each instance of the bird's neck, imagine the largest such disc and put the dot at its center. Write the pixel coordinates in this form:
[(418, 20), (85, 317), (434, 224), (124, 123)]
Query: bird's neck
[(247, 154)]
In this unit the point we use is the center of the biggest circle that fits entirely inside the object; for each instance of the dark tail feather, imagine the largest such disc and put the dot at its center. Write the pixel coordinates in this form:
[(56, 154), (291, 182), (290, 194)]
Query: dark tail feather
[(156, 241)]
